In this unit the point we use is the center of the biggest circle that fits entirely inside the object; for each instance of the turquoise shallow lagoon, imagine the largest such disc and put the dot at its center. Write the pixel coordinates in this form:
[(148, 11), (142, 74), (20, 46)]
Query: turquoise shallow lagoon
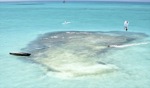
[(23, 22)]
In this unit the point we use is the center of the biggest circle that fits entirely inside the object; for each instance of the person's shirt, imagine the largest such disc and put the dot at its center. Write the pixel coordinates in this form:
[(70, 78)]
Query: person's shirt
[(126, 23)]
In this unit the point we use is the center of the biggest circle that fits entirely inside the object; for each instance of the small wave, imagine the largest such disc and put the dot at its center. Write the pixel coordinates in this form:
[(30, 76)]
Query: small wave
[(128, 45), (66, 22)]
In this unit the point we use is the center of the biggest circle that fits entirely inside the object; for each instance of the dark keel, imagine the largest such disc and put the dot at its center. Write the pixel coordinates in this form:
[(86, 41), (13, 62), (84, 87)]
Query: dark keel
[(20, 54)]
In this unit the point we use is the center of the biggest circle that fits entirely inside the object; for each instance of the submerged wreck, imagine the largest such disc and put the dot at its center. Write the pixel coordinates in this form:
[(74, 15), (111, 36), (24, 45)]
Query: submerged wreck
[(78, 53)]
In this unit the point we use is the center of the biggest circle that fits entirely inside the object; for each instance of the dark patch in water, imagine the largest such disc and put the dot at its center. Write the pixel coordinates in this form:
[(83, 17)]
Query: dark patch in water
[(57, 50)]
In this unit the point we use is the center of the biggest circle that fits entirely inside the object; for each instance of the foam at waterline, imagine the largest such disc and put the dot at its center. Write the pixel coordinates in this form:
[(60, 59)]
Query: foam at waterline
[(77, 70), (129, 45), (77, 53), (89, 70)]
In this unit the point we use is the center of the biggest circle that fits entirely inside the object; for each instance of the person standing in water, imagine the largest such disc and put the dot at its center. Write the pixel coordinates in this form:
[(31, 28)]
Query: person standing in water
[(126, 23)]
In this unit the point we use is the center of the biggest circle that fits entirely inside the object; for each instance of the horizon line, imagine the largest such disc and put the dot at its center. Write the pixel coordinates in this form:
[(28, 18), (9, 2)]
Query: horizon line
[(70, 1)]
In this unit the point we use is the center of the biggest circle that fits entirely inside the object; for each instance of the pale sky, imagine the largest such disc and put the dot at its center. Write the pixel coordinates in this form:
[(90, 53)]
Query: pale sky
[(81, 0)]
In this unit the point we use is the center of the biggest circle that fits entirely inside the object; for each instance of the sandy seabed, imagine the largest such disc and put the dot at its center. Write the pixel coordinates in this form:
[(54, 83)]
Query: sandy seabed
[(78, 53)]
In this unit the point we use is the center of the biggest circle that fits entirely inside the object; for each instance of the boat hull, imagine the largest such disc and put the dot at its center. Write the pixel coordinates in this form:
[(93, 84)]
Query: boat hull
[(20, 54)]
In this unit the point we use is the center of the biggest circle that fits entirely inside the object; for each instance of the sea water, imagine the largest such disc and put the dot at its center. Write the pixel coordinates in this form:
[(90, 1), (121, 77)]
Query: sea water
[(23, 22)]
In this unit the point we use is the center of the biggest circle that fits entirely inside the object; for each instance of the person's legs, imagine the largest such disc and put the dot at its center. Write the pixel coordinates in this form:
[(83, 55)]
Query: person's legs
[(126, 28)]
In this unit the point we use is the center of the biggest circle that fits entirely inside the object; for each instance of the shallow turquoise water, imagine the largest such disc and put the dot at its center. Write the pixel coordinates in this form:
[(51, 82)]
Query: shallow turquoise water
[(22, 22)]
